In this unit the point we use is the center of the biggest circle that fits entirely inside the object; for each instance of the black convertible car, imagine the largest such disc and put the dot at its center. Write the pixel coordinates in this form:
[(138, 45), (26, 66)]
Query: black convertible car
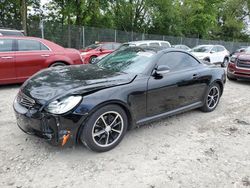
[(97, 104)]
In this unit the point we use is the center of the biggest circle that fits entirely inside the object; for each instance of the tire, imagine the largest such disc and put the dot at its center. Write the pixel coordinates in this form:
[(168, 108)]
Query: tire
[(207, 59), (91, 59), (100, 136), (231, 79), (58, 64), (225, 62), (210, 103)]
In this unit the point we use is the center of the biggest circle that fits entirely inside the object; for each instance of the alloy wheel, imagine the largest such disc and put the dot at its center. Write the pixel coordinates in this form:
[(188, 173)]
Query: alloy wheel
[(107, 129), (213, 97)]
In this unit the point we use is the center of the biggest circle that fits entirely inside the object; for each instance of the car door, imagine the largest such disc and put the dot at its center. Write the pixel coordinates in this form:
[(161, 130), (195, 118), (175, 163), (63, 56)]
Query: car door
[(183, 85), (7, 61), (31, 56), (214, 55)]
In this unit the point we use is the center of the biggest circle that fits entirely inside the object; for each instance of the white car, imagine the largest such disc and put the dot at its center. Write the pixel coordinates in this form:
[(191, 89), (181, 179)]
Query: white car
[(215, 54), (182, 47), (161, 43)]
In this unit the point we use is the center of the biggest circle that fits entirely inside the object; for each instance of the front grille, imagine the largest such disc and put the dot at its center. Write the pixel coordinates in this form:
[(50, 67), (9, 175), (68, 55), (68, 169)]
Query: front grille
[(24, 100), (243, 63)]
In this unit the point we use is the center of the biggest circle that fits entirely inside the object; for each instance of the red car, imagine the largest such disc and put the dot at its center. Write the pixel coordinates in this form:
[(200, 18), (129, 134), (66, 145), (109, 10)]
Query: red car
[(21, 57), (239, 67), (93, 51)]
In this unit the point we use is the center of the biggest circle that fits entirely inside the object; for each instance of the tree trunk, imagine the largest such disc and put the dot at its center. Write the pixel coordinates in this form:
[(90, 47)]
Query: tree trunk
[(24, 15), (69, 32)]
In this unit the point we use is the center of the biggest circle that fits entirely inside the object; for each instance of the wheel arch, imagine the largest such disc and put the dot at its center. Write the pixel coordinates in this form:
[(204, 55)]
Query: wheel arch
[(207, 58), (219, 82), (119, 103), (58, 61)]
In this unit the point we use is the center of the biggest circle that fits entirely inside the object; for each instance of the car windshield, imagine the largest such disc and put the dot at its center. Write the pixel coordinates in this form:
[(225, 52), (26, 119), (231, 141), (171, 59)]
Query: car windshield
[(93, 46), (202, 49), (129, 60)]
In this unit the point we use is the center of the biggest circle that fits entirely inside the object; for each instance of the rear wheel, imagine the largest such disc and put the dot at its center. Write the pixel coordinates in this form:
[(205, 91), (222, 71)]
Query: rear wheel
[(207, 60), (58, 64), (212, 98), (105, 128)]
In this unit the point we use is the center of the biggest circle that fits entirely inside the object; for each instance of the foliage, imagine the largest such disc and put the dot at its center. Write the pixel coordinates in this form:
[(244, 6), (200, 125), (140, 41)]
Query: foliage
[(209, 19)]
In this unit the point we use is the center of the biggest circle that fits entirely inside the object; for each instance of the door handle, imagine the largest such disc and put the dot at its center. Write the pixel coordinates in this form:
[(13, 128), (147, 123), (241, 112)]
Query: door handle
[(45, 55), (7, 57)]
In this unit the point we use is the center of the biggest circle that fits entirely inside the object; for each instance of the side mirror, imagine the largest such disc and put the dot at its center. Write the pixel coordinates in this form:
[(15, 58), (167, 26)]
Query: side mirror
[(212, 52), (161, 69), (100, 49)]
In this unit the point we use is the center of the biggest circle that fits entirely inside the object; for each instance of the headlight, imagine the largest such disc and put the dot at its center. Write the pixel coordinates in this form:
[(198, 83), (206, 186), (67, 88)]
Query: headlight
[(63, 105), (233, 58)]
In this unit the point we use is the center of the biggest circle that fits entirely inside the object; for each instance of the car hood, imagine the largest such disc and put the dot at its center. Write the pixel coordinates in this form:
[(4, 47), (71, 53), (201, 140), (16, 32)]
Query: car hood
[(244, 56), (53, 83), (200, 55)]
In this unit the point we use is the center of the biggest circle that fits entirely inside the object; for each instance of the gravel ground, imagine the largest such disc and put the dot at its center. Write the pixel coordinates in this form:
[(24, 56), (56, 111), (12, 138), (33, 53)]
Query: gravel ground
[(193, 149)]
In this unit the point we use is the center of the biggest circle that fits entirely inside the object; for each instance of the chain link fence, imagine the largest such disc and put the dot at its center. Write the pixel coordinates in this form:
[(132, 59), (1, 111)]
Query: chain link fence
[(78, 37)]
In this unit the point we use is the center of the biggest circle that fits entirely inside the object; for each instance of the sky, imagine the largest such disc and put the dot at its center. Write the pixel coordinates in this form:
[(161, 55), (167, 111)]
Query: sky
[(44, 2)]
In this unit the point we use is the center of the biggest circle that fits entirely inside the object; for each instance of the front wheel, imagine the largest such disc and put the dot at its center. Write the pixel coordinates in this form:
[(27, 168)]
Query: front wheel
[(105, 128), (92, 59), (212, 98)]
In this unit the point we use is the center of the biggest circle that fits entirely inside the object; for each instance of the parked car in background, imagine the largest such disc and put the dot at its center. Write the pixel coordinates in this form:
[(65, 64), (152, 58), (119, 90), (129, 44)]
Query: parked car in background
[(94, 50), (143, 43), (96, 60), (239, 66), (97, 103), (21, 57), (215, 54), (239, 51), (11, 32), (182, 47)]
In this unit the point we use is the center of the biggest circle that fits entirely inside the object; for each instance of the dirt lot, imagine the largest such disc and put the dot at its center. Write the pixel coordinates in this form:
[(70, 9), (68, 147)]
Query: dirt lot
[(194, 149)]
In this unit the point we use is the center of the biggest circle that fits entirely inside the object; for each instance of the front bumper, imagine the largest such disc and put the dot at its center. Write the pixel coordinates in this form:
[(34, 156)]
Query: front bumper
[(236, 72), (57, 130)]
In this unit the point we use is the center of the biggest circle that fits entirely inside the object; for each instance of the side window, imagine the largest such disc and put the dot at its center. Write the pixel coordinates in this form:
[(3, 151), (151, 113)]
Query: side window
[(30, 45), (143, 45), (177, 61), (116, 46), (43, 47), (220, 48), (108, 46), (184, 47), (6, 45), (154, 44), (164, 44), (214, 49)]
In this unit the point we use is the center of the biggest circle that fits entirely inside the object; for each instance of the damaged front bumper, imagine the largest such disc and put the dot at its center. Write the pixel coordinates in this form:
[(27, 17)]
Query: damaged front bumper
[(58, 130)]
